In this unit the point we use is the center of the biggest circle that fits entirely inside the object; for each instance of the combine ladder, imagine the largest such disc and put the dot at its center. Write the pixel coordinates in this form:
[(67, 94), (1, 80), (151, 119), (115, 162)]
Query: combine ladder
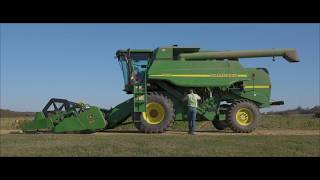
[(140, 95)]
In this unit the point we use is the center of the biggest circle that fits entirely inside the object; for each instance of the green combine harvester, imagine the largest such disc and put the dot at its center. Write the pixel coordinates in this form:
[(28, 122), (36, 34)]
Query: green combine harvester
[(159, 79)]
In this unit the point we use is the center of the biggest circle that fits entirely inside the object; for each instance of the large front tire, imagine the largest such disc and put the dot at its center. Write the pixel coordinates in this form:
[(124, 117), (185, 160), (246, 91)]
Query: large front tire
[(159, 114), (243, 116)]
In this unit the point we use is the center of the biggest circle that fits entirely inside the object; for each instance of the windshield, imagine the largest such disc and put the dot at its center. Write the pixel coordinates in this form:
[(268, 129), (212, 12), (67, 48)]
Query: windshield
[(124, 67), (135, 65)]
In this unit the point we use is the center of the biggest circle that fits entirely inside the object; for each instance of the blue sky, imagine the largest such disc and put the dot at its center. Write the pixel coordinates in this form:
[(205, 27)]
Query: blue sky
[(76, 61)]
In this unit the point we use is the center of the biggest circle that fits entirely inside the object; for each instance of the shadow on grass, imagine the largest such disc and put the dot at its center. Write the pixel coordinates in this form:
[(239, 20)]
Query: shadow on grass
[(15, 132), (215, 131), (121, 131)]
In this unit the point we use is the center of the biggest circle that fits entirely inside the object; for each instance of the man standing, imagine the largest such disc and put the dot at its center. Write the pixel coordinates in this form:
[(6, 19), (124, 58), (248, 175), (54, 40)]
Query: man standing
[(192, 109)]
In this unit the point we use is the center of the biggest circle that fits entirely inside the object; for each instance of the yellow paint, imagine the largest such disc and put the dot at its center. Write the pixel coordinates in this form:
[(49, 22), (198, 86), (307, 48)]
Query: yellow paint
[(154, 114), (200, 75), (258, 87), (244, 116)]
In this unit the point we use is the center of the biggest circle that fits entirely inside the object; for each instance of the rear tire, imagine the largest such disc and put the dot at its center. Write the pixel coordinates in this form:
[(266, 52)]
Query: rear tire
[(159, 114), (243, 116)]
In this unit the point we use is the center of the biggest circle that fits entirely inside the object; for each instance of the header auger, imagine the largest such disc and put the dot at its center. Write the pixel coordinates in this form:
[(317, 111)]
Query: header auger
[(158, 80)]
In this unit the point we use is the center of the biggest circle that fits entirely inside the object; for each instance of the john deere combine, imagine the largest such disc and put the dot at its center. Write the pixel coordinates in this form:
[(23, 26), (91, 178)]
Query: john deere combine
[(158, 80)]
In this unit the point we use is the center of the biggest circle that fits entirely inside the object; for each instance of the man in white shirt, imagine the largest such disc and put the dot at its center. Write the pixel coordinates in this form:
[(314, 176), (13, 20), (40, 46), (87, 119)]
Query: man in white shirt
[(192, 99)]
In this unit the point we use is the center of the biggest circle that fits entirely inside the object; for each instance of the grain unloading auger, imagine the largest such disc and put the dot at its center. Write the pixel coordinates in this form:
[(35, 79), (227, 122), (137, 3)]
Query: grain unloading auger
[(158, 79)]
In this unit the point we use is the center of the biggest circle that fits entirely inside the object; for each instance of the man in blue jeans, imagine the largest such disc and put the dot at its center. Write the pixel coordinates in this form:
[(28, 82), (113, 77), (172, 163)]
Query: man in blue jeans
[(192, 99)]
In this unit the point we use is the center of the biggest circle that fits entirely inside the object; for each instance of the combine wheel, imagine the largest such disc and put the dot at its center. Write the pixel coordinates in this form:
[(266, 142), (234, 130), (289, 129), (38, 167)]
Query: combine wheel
[(159, 114), (242, 116)]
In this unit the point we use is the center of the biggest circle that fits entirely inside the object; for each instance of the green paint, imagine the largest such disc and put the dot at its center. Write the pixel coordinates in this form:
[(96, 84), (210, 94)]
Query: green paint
[(220, 72), (70, 121), (39, 122), (119, 113), (90, 119)]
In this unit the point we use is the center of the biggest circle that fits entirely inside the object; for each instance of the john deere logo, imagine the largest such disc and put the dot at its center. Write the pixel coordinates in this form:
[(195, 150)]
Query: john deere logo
[(91, 118)]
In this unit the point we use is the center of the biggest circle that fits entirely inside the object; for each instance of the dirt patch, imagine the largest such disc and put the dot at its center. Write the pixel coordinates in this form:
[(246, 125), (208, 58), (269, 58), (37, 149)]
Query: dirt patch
[(10, 131), (287, 132), (228, 133)]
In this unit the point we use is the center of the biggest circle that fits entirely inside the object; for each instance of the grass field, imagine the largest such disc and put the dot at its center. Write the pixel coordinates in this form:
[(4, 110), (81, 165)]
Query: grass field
[(129, 143), (157, 145), (266, 122)]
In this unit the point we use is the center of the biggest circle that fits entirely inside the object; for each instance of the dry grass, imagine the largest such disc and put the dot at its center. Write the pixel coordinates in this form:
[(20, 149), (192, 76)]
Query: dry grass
[(137, 144), (266, 122), (13, 122), (157, 145)]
